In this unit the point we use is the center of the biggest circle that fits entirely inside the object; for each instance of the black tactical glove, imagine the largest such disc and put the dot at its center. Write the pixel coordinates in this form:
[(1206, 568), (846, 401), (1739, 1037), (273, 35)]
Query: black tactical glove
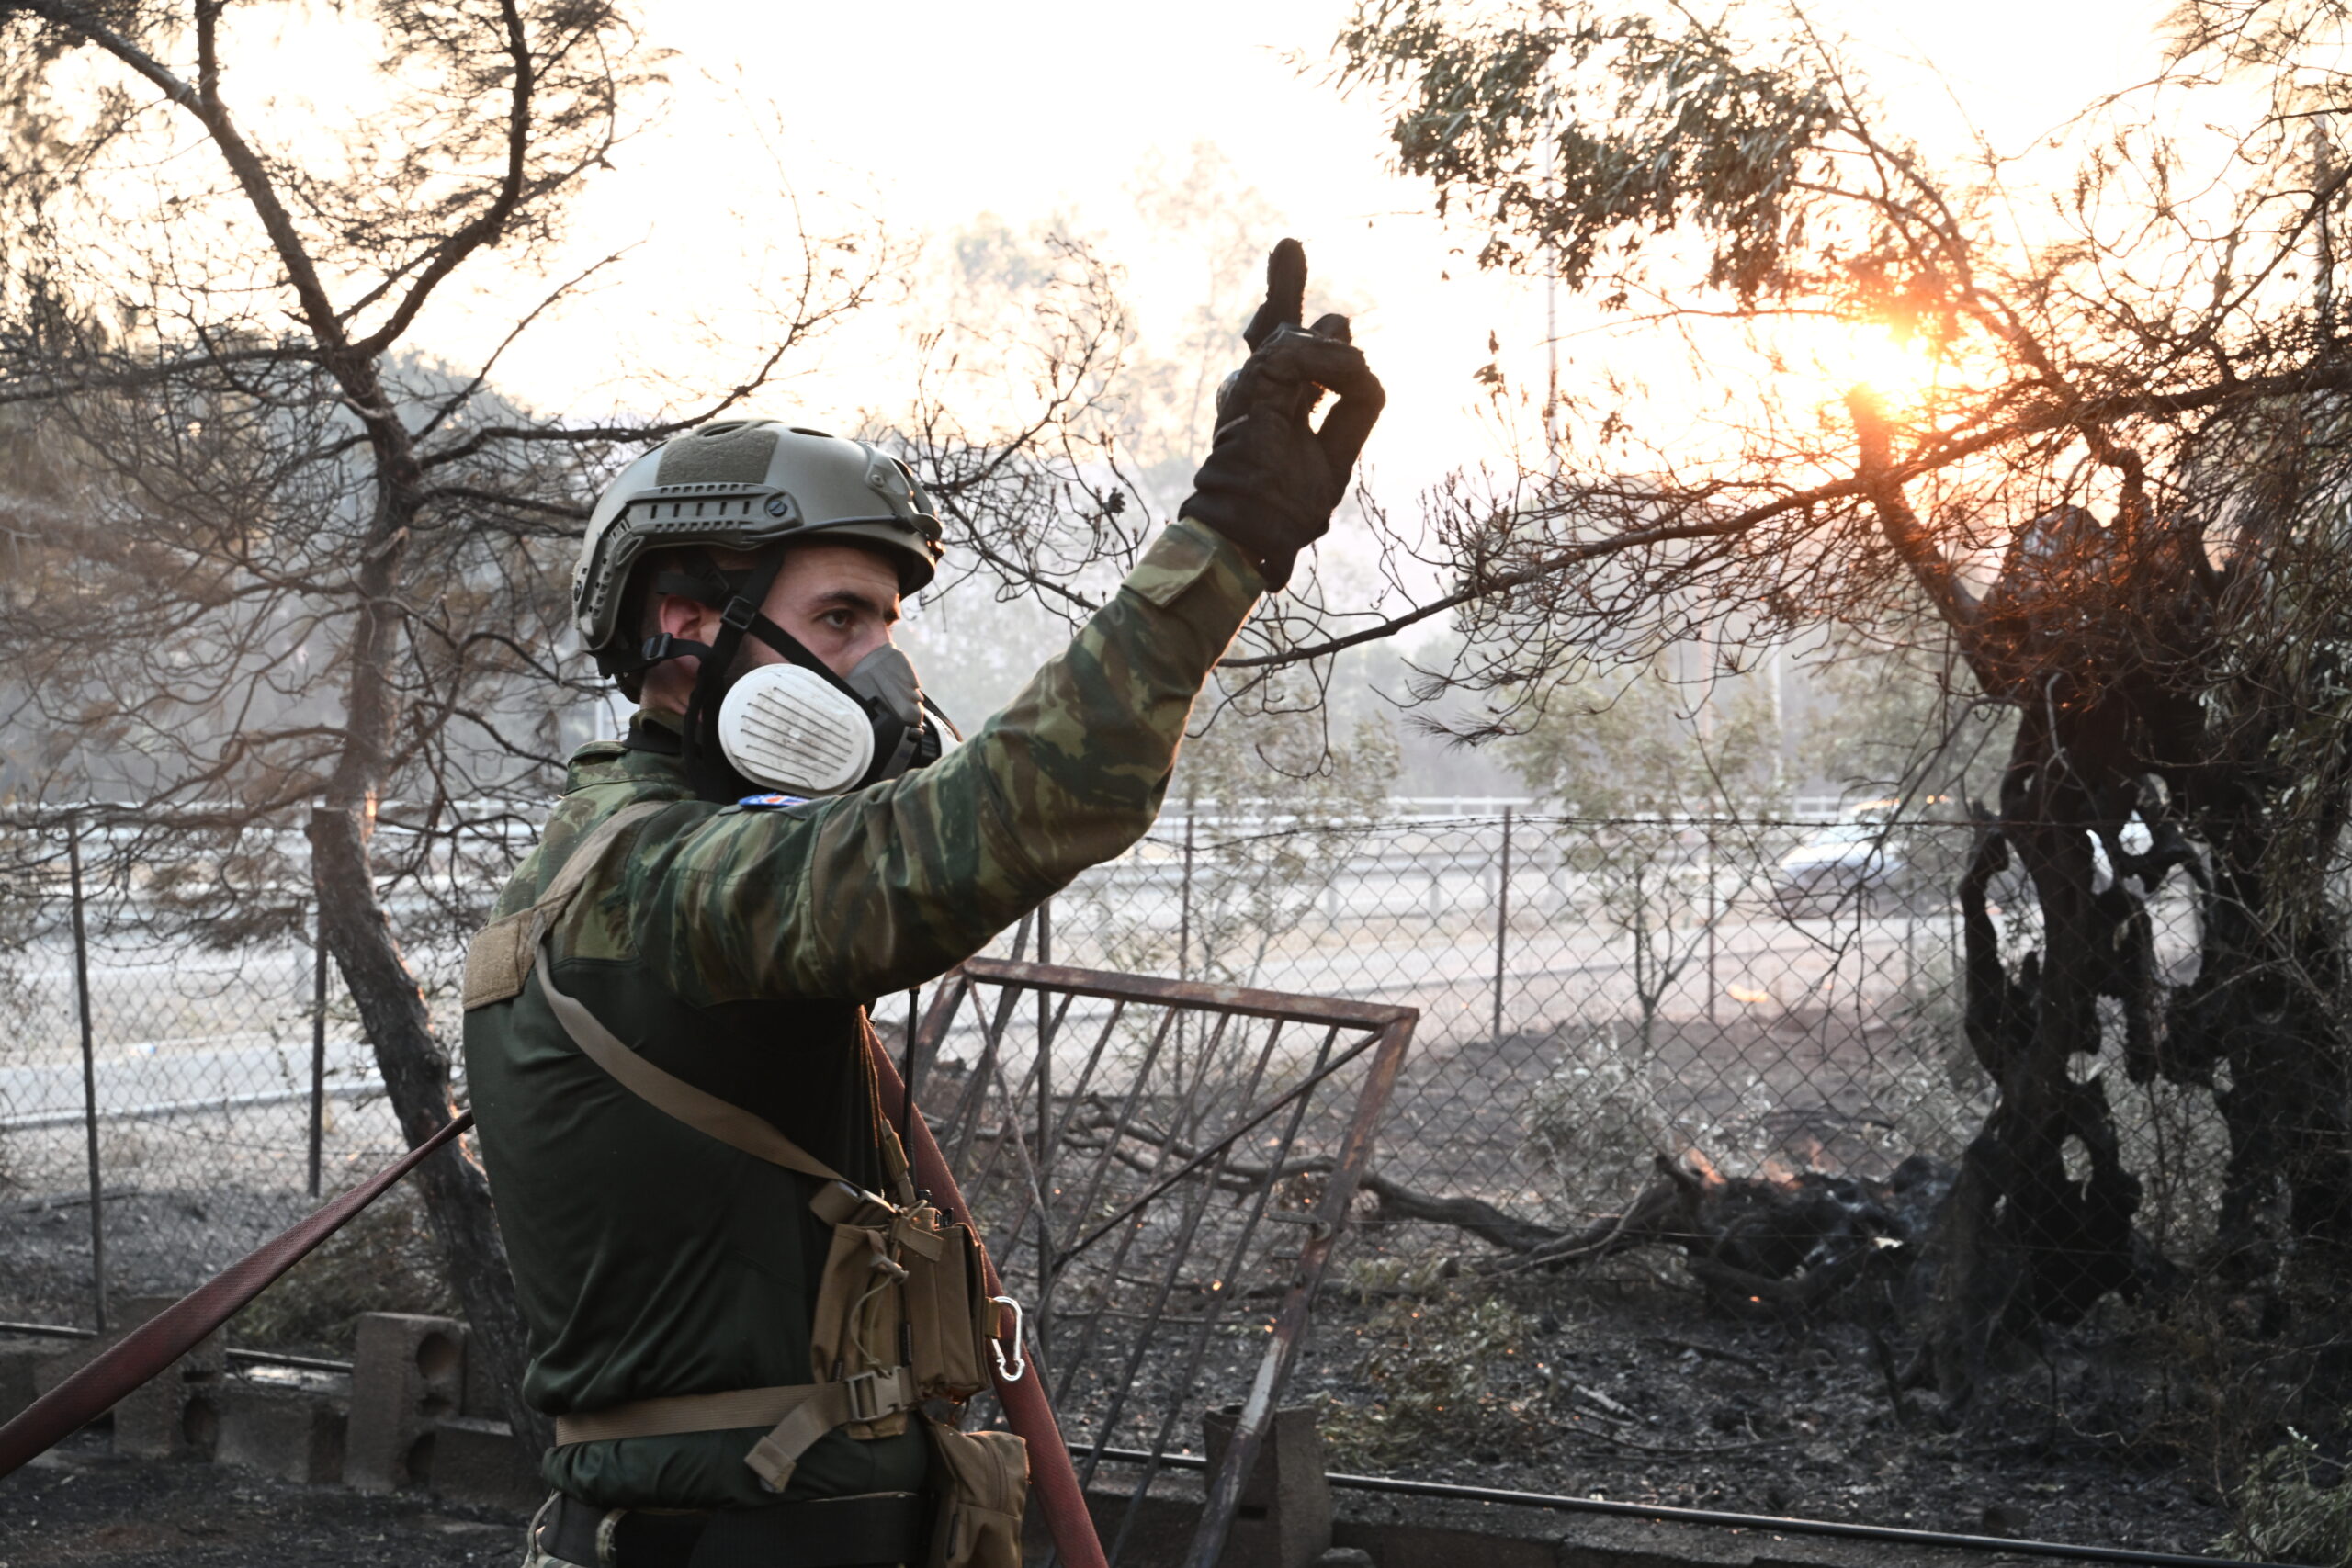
[(1271, 480)]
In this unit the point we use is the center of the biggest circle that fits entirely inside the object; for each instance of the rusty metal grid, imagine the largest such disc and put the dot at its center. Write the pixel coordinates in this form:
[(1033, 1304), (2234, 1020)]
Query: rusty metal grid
[(1162, 1169)]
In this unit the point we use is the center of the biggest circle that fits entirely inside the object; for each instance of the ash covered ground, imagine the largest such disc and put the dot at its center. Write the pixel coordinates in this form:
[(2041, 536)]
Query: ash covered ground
[(81, 1506), (1618, 1380), (1633, 1389)]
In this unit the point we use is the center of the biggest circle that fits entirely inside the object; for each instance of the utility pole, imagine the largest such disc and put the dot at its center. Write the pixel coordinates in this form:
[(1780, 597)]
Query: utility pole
[(1552, 367)]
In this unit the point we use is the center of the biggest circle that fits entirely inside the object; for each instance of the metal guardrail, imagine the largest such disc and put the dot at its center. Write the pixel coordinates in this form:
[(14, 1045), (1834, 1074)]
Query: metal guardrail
[(207, 1105)]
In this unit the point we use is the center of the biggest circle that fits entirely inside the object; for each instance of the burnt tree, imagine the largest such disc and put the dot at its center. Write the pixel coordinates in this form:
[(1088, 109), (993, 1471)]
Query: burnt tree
[(2098, 453)]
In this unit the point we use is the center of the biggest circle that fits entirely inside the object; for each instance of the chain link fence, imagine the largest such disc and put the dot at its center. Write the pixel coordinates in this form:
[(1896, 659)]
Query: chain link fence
[(1763, 998), (1768, 997)]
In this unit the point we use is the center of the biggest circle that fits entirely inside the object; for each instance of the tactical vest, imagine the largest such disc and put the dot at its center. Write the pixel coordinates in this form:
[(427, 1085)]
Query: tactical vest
[(901, 1313)]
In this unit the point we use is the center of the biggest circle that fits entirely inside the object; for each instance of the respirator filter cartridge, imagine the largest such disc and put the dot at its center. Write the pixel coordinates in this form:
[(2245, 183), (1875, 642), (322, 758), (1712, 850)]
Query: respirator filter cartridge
[(792, 729)]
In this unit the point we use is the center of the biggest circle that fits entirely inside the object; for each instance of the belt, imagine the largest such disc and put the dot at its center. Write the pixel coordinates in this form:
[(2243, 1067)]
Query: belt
[(873, 1527)]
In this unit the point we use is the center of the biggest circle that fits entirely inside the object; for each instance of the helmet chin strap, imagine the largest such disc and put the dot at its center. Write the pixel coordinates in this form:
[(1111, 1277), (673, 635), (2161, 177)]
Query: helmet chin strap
[(707, 770)]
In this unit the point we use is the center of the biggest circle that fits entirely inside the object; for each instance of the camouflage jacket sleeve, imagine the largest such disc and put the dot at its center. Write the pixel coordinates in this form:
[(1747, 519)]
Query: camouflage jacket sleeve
[(864, 894)]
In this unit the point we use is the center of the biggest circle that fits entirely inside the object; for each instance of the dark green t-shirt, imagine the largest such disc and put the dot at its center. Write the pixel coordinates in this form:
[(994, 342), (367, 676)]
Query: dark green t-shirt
[(649, 1256)]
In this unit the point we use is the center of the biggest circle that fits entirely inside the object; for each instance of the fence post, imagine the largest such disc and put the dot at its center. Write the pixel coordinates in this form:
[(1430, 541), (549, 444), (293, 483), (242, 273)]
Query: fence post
[(1045, 1067), (89, 1077), (1185, 905), (318, 1047), (1502, 922), (1863, 971), (1712, 913), (1910, 907)]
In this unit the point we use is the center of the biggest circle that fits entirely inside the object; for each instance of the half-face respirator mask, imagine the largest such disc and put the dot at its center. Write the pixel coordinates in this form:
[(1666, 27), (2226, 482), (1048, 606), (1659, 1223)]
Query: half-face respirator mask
[(809, 731), (796, 727)]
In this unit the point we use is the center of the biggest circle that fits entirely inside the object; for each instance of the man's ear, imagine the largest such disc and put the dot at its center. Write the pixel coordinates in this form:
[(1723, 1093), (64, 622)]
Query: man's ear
[(685, 618)]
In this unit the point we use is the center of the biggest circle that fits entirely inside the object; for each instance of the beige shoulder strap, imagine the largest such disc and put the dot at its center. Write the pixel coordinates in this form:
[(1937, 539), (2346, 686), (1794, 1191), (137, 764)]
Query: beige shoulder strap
[(588, 853), (498, 960)]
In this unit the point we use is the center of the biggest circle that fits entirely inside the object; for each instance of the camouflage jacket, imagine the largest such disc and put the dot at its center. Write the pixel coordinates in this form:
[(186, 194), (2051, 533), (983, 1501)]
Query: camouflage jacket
[(735, 946)]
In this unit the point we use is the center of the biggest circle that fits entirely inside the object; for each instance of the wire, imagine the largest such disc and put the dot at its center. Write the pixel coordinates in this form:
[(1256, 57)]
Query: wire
[(1710, 1516), (907, 1077)]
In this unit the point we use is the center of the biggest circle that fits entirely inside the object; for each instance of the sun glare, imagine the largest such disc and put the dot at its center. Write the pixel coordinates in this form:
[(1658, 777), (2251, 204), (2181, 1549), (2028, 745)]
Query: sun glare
[(1899, 367)]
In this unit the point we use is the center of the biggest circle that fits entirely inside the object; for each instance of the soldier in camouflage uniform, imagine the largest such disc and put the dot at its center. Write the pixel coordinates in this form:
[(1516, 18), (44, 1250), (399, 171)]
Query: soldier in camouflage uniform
[(732, 931)]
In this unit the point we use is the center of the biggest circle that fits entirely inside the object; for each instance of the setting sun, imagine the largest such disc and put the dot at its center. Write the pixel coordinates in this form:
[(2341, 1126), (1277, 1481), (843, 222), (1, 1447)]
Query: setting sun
[(1900, 369)]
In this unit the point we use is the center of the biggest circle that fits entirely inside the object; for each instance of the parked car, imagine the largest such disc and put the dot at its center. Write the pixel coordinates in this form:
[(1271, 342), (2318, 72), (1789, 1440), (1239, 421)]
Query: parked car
[(1874, 856), (1840, 862)]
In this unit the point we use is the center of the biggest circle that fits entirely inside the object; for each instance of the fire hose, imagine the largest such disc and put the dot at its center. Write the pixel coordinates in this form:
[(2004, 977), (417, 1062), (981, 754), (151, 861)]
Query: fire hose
[(153, 1346)]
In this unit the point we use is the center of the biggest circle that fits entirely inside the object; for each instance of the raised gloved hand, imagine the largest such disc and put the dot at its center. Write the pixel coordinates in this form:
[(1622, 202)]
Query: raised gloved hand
[(1271, 480)]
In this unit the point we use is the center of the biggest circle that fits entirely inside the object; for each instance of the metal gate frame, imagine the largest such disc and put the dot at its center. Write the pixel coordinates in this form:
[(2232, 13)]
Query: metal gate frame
[(1388, 1031)]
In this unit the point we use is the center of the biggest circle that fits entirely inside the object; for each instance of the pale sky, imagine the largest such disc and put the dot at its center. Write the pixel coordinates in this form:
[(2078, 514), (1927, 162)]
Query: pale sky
[(939, 112), (1035, 111), (1032, 112)]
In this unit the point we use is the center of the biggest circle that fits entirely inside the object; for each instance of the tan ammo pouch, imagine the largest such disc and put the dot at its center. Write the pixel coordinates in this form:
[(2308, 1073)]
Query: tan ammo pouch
[(983, 1488), (906, 1286), (953, 1318), (902, 1310)]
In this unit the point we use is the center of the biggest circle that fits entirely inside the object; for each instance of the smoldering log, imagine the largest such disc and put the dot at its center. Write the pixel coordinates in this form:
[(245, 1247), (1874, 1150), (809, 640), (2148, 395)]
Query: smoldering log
[(1759, 1245)]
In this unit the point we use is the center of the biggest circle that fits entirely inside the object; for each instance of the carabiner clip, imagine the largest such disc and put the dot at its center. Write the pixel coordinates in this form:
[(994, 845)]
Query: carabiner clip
[(996, 1345)]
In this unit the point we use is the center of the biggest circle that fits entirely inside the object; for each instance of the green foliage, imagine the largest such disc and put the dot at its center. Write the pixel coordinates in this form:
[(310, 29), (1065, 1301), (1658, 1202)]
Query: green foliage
[(1645, 754), (2284, 1514), (1439, 1367), (1287, 761), (1251, 889), (1896, 719), (1582, 131), (1598, 1119)]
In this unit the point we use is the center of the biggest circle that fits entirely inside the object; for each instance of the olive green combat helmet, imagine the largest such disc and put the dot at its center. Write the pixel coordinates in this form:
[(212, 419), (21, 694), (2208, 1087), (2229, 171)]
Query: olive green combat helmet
[(741, 485)]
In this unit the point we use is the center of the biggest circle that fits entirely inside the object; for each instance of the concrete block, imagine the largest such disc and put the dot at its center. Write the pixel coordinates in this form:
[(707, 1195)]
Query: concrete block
[(60, 1359), (1157, 1526), (1409, 1546), (292, 1429), (176, 1414), (408, 1372), (481, 1463), (1284, 1518)]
